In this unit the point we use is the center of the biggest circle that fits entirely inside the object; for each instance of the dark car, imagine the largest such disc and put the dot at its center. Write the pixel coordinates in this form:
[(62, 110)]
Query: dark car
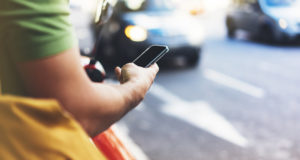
[(268, 20), (137, 24)]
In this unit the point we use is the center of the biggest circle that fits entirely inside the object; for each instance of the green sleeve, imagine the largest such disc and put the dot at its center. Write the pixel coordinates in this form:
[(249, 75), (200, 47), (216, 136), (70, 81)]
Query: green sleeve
[(36, 29)]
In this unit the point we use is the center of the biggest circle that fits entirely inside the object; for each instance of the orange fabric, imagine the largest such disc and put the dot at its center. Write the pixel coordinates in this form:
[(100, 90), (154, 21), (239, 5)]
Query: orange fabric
[(111, 146)]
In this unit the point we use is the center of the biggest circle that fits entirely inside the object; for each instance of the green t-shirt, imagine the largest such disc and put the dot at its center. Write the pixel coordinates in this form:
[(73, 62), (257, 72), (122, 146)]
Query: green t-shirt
[(31, 29)]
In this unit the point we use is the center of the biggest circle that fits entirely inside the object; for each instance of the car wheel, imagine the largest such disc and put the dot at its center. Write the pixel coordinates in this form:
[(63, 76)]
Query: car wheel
[(230, 28), (194, 60)]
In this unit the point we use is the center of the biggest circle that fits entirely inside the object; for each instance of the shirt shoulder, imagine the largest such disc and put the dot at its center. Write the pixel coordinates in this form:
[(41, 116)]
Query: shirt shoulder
[(34, 29)]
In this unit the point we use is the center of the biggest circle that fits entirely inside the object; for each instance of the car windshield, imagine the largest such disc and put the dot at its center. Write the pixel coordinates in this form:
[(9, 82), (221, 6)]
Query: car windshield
[(149, 5), (282, 3)]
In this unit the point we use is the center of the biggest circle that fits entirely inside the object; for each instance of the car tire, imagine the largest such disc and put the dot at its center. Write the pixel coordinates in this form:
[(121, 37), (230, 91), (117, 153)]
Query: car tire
[(230, 28), (194, 60)]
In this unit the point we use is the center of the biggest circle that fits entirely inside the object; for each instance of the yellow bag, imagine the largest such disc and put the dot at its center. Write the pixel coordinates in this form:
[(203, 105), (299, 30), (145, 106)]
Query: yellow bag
[(39, 129)]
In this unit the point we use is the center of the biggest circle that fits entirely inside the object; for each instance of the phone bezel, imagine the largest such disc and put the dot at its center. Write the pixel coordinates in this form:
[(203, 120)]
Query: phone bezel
[(158, 57)]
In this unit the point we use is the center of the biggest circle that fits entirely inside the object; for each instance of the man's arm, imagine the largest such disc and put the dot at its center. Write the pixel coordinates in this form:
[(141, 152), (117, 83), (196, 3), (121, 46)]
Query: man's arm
[(95, 105)]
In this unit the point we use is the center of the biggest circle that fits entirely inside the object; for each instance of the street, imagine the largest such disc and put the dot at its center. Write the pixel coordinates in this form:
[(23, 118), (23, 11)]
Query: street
[(240, 103)]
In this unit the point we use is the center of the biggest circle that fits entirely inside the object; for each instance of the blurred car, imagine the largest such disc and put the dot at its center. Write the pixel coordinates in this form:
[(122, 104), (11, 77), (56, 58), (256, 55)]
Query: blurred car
[(137, 24), (267, 20)]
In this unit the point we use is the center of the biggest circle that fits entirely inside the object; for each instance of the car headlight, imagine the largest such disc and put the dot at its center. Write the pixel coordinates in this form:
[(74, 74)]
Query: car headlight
[(283, 23), (136, 33)]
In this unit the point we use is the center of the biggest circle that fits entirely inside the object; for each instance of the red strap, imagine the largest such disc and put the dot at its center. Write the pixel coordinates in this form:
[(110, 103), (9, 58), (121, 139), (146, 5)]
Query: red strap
[(89, 66)]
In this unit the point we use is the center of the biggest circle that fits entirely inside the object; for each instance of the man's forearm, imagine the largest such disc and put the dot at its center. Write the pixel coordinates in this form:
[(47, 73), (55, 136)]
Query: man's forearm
[(95, 105), (104, 105)]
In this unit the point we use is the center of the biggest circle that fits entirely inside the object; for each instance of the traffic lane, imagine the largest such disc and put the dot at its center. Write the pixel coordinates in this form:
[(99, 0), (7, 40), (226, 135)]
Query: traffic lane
[(260, 123), (172, 138), (279, 81), (176, 139), (165, 137), (278, 85), (276, 112), (241, 59), (250, 115), (279, 109)]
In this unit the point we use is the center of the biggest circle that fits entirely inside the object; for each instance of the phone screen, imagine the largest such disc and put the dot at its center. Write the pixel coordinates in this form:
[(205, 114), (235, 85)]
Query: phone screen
[(150, 55)]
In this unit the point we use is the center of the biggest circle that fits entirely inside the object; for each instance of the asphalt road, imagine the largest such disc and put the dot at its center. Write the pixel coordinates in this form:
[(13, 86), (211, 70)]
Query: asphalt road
[(241, 103)]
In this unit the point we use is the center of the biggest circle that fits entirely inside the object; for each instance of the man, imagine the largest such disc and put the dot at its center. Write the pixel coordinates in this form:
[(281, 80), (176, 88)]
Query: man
[(39, 58)]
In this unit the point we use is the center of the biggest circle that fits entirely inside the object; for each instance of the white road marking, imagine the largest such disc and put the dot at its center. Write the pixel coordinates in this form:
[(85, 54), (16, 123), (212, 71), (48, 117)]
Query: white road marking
[(122, 133), (201, 115), (198, 114), (234, 83)]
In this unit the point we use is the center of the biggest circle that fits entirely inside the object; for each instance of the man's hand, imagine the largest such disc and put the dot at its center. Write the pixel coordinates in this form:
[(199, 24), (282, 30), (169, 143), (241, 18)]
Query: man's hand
[(142, 78), (133, 72)]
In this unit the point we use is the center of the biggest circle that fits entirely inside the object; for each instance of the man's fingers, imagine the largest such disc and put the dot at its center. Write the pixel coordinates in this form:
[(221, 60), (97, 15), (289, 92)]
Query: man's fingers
[(154, 67), (118, 72)]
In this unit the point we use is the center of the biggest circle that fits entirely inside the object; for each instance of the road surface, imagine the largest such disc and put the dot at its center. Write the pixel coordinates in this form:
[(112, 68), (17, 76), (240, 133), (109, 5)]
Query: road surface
[(241, 103)]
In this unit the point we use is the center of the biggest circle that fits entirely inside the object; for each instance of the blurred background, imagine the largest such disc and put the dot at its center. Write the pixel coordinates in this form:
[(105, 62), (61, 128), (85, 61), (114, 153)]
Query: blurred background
[(227, 90)]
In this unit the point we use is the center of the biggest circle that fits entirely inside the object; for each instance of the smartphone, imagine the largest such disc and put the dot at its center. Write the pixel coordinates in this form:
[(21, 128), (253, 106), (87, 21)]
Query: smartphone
[(151, 55)]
